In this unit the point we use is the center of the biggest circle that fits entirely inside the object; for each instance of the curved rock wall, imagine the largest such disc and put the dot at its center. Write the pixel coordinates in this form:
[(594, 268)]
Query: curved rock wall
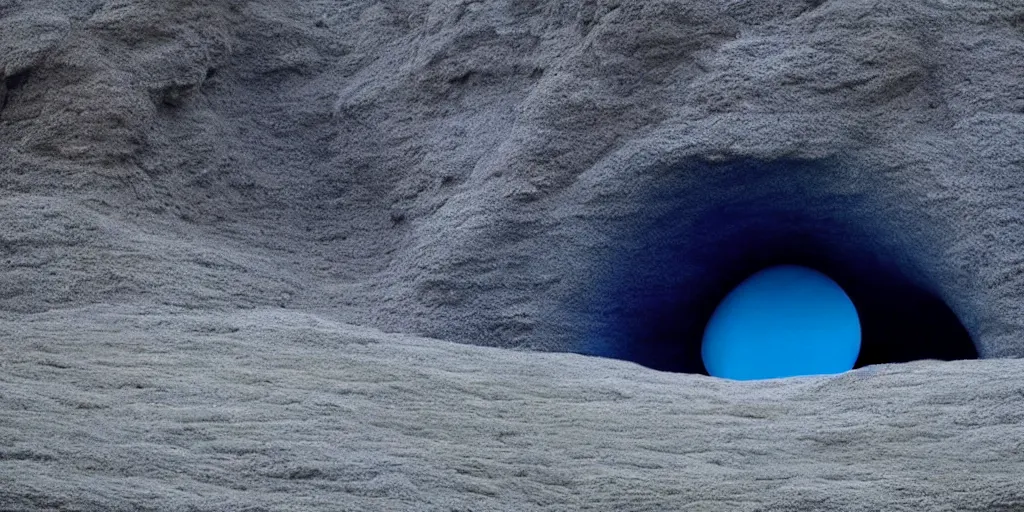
[(478, 171)]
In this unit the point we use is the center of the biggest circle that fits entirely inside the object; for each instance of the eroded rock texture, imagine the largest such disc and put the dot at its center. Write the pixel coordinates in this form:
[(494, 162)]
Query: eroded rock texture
[(481, 170), (581, 176), (280, 410)]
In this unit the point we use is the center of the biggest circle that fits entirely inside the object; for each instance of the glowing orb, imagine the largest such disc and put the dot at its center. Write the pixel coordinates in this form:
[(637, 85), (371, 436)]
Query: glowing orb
[(783, 321)]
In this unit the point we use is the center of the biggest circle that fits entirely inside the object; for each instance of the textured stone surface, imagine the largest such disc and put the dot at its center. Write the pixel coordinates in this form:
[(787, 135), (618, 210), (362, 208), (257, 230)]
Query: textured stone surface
[(465, 170), (518, 174), (277, 410)]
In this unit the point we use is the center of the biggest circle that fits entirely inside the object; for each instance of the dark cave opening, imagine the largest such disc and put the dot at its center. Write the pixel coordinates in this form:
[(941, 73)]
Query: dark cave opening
[(10, 84), (653, 306)]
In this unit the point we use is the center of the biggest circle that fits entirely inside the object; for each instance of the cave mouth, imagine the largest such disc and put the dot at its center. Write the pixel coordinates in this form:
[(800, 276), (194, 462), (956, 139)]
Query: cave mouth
[(653, 304)]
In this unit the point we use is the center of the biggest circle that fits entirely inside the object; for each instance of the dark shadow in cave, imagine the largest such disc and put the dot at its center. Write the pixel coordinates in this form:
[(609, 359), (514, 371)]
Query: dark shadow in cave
[(654, 301)]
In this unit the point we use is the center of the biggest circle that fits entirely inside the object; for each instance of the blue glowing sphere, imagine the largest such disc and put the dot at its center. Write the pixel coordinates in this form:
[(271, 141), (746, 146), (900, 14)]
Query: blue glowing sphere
[(783, 321)]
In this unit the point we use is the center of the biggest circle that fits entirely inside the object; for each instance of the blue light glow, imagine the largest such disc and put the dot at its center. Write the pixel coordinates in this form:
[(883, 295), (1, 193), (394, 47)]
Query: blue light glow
[(783, 321)]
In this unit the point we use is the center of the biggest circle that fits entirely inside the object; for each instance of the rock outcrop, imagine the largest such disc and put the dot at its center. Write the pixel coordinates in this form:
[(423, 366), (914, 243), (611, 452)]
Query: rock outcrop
[(472, 170), (583, 176)]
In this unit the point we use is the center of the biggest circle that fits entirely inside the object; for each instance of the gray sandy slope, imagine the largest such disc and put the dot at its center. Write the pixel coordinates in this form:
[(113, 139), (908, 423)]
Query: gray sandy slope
[(271, 409), (210, 212)]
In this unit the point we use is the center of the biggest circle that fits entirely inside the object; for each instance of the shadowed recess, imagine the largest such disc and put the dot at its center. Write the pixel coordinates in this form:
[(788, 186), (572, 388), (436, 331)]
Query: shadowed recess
[(676, 264)]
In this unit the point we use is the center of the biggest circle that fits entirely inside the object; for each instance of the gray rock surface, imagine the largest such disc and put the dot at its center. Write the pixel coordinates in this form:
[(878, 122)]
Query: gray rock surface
[(202, 199), (464, 169), (271, 409)]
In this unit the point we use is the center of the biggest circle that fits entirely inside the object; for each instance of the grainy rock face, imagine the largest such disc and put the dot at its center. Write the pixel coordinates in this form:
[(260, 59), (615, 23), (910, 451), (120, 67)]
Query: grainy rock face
[(471, 170), (579, 176)]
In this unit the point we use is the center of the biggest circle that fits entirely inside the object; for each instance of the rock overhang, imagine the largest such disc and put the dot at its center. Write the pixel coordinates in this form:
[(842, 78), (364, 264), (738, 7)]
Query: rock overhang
[(678, 257)]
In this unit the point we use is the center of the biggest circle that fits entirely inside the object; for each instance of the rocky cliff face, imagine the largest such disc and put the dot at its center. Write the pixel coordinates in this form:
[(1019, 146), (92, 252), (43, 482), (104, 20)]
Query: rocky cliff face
[(581, 176), (512, 173)]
